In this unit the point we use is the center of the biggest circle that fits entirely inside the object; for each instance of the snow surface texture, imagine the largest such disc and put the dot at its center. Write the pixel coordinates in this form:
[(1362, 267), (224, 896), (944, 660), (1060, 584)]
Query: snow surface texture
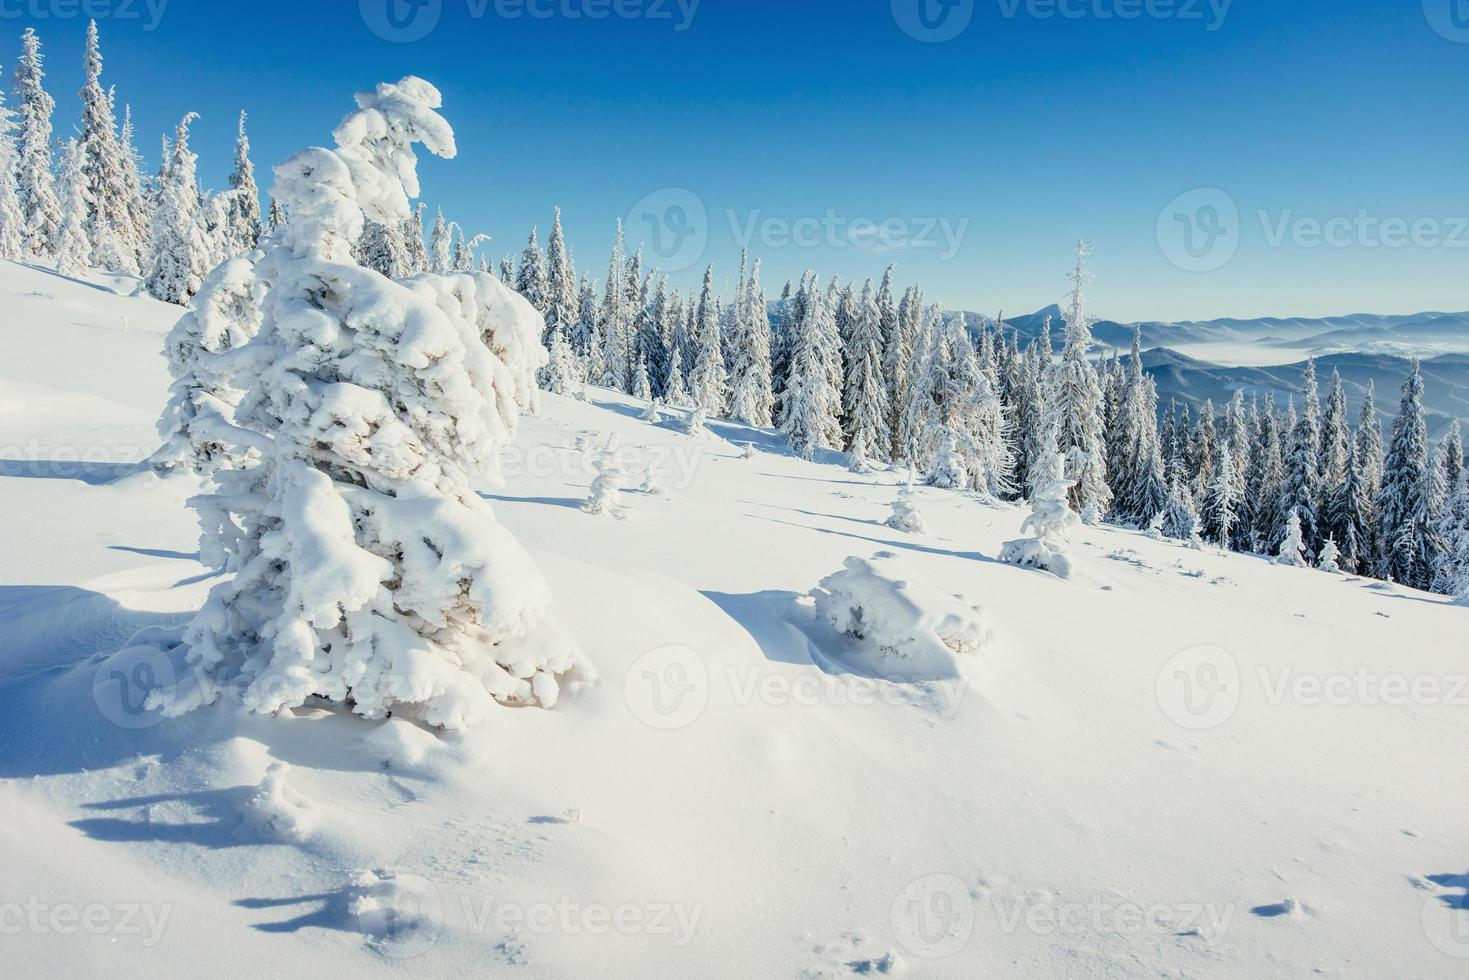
[(1138, 780)]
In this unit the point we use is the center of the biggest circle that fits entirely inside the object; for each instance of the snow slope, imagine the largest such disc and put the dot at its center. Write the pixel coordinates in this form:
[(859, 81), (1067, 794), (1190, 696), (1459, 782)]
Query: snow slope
[(1138, 773)]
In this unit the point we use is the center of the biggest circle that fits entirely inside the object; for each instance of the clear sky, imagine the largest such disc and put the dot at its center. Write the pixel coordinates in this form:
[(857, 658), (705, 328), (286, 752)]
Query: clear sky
[(842, 135)]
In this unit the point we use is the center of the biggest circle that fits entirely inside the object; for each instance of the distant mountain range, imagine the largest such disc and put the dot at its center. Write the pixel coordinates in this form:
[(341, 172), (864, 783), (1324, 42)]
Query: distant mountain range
[(1363, 348), (1420, 334)]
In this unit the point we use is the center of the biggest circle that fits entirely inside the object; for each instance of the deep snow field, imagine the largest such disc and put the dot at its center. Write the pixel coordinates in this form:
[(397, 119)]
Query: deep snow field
[(1178, 763)]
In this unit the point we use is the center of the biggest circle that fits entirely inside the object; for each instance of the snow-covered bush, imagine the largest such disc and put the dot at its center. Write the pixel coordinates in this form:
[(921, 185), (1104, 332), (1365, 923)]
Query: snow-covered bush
[(197, 421), (607, 486), (694, 422), (1293, 548), (898, 626), (1050, 522), (1330, 559), (652, 413), (906, 516), (365, 569)]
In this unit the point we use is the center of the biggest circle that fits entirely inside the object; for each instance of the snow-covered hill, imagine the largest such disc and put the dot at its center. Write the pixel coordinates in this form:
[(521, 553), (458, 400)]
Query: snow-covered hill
[(1178, 763)]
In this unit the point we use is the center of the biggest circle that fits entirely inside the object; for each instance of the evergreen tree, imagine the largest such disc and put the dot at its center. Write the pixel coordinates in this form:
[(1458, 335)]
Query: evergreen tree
[(243, 219), (614, 319), (751, 398), (866, 393), (138, 203), (1222, 501), (707, 382), (1405, 504), (1180, 518), (533, 282), (652, 342), (39, 205), (1293, 545), (12, 221), (1301, 489), (441, 247), (410, 237), (562, 374), (810, 403), (72, 247), (897, 351), (1074, 403), (278, 217), (180, 251), (562, 308), (585, 340), (114, 241)]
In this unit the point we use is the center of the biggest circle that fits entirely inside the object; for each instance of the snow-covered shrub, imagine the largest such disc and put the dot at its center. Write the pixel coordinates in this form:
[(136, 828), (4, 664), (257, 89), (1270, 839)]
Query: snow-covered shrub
[(1050, 522), (607, 487), (652, 413), (694, 423), (750, 451), (906, 516), (1330, 559), (365, 569), (897, 625), (1293, 548), (197, 421)]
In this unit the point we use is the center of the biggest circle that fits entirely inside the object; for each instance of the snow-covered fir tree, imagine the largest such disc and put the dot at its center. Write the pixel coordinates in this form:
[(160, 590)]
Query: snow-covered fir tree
[(561, 307), (73, 250), (1293, 545), (243, 218), (1406, 504), (1221, 503), (866, 416), (1050, 522), (1327, 561), (441, 247), (1301, 490), (531, 281), (1181, 518), (810, 402), (363, 569), (751, 396), (35, 184), (115, 243), (180, 249), (707, 383), (562, 373), (12, 221), (1074, 403)]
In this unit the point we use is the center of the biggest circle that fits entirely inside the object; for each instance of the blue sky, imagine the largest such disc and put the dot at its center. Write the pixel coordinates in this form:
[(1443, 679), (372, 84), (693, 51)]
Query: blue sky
[(806, 126)]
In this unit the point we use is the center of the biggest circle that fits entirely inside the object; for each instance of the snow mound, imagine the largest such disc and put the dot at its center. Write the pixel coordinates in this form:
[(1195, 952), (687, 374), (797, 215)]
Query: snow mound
[(279, 812), (897, 625), (399, 744)]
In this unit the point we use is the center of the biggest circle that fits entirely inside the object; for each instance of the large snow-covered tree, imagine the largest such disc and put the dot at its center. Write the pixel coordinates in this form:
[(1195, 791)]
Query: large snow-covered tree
[(365, 569), (39, 205), (810, 403), (560, 285), (531, 281)]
